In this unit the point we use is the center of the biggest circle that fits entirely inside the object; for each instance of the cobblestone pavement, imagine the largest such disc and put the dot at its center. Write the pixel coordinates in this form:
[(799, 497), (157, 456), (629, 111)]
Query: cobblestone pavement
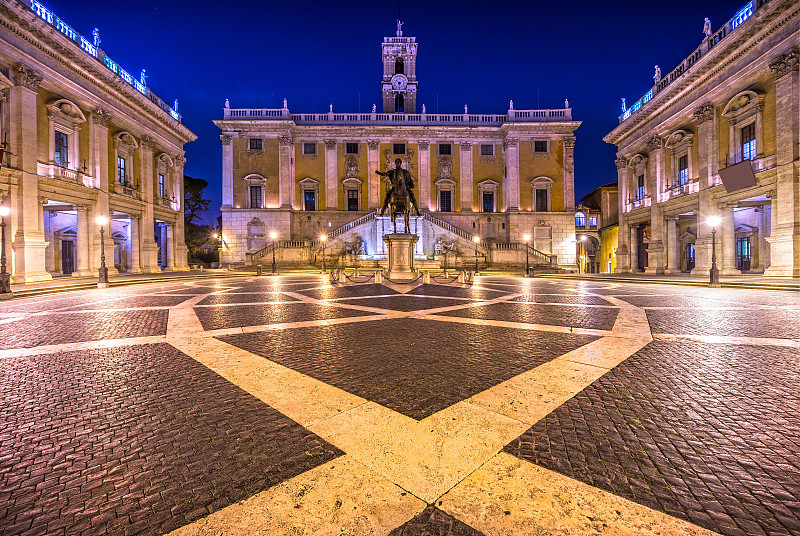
[(285, 405)]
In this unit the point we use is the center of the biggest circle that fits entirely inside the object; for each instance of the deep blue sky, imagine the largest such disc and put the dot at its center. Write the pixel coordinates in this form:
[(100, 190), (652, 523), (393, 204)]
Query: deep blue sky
[(476, 53)]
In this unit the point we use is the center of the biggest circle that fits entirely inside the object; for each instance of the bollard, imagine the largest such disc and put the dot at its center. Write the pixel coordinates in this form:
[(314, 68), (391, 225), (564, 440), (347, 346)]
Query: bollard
[(258, 269), (461, 276), (378, 277), (342, 275), (355, 272), (426, 277)]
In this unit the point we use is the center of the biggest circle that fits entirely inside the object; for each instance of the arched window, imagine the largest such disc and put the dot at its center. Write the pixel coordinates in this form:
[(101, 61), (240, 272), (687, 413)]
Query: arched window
[(399, 66), (580, 219), (398, 103)]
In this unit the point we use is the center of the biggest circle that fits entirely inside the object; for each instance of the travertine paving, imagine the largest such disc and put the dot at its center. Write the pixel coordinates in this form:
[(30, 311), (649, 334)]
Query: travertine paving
[(287, 405)]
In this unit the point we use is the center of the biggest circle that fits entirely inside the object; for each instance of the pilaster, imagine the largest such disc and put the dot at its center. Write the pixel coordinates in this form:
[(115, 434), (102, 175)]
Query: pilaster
[(569, 172), (148, 248), (179, 239), (673, 252), (373, 164), (227, 169), (425, 200), (465, 174), (331, 191), (285, 179), (511, 161), (623, 235), (656, 258), (727, 237), (784, 238), (136, 246), (82, 242)]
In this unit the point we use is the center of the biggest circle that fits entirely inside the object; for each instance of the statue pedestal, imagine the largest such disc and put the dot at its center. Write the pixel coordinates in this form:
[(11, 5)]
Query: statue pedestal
[(401, 255)]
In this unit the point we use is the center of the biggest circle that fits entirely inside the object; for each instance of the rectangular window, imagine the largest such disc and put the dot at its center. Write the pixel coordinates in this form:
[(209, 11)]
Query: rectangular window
[(309, 200), (683, 169), (62, 149), (749, 142), (640, 187), (592, 221), (256, 144), (350, 148), (399, 148), (445, 201), (309, 148), (540, 146), (487, 149), (488, 201), (255, 197), (352, 199), (161, 186), (541, 200), (445, 149), (121, 170)]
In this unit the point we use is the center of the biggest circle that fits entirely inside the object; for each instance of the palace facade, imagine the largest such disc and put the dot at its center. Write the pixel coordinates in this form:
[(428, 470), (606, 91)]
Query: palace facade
[(81, 138), (719, 135), (497, 177)]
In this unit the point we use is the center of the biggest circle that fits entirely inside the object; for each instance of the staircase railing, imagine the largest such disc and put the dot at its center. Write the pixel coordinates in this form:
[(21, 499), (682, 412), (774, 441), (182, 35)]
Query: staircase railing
[(283, 244), (519, 246), (446, 225), (344, 228)]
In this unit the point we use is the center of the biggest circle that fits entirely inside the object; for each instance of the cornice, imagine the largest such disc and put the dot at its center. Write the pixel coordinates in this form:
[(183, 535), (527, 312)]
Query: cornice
[(703, 73), (47, 41)]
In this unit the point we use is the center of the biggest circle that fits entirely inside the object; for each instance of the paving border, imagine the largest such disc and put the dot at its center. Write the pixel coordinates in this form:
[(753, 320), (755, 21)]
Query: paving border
[(793, 284)]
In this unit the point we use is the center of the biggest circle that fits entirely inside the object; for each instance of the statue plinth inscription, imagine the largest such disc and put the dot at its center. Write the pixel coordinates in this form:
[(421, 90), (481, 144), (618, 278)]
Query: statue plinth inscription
[(400, 247)]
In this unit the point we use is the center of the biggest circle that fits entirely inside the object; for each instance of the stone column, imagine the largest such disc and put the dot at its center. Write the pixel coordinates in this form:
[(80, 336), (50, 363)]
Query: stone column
[(784, 238), (569, 172), (135, 242), (331, 190), (656, 258), (179, 240), (634, 247), (726, 238), (82, 242), (148, 259), (28, 244), (167, 247), (511, 160), (706, 152), (465, 174), (227, 170), (673, 252), (623, 236), (373, 181), (424, 179), (100, 124), (285, 179), (45, 224)]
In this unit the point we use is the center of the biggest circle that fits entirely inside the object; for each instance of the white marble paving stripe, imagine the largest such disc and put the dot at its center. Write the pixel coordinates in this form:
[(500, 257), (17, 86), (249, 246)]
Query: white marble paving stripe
[(512, 497), (591, 305), (718, 339), (239, 304), (300, 324), (508, 324), (338, 498), (85, 345)]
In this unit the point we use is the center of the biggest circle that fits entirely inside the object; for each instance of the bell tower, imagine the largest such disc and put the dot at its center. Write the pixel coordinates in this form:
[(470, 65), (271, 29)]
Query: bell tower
[(399, 83)]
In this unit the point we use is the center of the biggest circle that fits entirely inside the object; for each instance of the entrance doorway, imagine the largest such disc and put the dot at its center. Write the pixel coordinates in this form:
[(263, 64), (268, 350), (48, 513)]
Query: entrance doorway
[(743, 254), (67, 257)]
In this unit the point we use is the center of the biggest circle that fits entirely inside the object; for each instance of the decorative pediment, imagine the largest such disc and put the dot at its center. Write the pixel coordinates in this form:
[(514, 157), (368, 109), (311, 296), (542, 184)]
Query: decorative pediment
[(444, 181), (542, 181), (743, 102), (66, 110), (254, 179), (678, 139), (125, 138), (67, 232), (308, 182), (165, 159), (352, 181), (542, 223)]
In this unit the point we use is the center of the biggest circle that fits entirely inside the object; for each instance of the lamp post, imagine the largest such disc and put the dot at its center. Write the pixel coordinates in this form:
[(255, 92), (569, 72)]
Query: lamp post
[(5, 277), (273, 235), (102, 280), (582, 255), (476, 239), (527, 239), (323, 239), (713, 222)]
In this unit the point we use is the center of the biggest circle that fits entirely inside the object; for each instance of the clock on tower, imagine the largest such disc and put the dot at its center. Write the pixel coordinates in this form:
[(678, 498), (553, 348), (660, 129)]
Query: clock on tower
[(399, 83)]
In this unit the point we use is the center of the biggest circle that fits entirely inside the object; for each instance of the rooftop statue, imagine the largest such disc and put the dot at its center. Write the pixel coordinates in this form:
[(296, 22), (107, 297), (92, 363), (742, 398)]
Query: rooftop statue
[(707, 28), (657, 76)]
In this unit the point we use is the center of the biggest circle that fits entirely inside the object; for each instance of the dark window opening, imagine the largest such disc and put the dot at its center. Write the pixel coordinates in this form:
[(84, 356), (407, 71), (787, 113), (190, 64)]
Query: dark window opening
[(399, 103), (309, 148), (399, 66), (743, 254), (683, 169), (540, 146), (749, 142), (256, 144), (640, 187), (351, 148), (62, 151), (541, 200), (488, 201), (487, 150), (309, 200), (399, 148), (352, 199), (255, 197), (445, 149), (445, 201)]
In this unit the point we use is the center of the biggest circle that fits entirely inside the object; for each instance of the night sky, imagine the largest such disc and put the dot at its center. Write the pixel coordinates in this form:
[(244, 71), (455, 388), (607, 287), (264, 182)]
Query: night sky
[(476, 53)]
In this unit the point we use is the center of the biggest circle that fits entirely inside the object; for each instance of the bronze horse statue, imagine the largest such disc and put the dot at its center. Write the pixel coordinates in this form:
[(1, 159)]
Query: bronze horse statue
[(399, 203)]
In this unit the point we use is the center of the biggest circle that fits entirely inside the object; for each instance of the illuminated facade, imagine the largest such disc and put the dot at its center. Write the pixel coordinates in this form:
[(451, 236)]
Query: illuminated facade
[(300, 175), (597, 220), (82, 137), (733, 101)]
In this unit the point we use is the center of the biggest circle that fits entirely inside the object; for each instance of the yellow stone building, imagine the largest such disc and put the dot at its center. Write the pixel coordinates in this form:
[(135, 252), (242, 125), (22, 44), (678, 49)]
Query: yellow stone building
[(81, 138), (301, 175), (718, 136)]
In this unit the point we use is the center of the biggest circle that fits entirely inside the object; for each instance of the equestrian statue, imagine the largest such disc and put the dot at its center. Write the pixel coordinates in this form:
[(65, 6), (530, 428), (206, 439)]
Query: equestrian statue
[(400, 194)]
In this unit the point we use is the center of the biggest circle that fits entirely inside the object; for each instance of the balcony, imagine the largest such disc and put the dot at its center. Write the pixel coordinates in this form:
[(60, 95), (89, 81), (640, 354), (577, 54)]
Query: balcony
[(679, 190), (635, 203), (54, 171)]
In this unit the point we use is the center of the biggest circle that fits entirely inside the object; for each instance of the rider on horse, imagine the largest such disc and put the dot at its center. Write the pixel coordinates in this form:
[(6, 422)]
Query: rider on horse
[(395, 176)]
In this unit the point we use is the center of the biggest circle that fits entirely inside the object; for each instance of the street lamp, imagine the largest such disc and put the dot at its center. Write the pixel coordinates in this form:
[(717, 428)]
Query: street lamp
[(476, 239), (527, 239), (102, 281), (273, 235), (5, 277), (323, 239), (713, 222)]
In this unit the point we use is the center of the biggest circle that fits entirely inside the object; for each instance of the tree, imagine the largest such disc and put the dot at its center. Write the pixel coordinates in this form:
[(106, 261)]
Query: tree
[(196, 234)]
